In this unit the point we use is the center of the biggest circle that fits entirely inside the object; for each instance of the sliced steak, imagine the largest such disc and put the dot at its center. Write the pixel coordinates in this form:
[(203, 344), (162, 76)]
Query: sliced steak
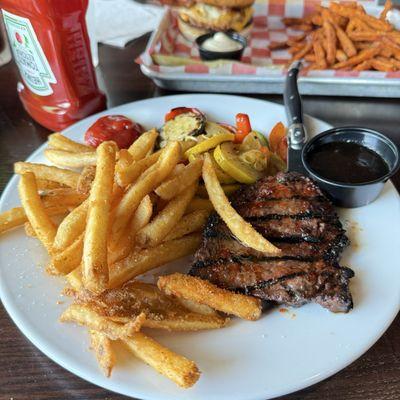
[(290, 211)]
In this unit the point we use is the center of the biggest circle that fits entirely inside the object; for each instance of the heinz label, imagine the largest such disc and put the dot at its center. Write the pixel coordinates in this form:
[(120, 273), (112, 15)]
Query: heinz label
[(28, 54)]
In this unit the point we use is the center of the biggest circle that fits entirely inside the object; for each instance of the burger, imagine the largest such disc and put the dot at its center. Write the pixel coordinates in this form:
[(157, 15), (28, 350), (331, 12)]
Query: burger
[(197, 18)]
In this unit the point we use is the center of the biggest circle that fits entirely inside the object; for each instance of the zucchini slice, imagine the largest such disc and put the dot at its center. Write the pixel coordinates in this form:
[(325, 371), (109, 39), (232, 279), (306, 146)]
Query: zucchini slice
[(184, 126)]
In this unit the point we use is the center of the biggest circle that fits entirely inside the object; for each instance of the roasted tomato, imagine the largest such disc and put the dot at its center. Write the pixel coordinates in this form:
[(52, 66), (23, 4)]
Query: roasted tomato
[(243, 127), (122, 130)]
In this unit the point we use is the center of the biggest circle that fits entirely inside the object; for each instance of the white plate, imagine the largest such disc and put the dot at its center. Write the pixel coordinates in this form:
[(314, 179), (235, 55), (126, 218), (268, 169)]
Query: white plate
[(279, 354)]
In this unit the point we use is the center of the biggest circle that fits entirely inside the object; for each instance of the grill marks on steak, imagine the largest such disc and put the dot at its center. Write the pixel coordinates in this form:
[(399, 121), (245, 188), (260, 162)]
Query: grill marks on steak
[(293, 214)]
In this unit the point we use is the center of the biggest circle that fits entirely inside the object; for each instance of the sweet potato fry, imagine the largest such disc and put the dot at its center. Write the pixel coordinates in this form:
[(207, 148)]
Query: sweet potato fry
[(364, 66), (345, 42), (277, 45), (388, 6), (359, 58), (319, 54), (382, 64), (330, 36), (341, 55)]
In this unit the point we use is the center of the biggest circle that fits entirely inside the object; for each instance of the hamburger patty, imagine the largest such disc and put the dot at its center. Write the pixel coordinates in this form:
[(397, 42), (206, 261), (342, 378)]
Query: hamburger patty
[(290, 211)]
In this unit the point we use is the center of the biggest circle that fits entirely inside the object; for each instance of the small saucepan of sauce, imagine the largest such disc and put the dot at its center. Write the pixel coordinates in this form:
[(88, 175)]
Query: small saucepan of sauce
[(351, 164)]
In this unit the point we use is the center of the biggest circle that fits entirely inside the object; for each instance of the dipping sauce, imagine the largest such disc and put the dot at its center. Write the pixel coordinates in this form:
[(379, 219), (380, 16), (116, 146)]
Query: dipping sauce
[(347, 162), (220, 42)]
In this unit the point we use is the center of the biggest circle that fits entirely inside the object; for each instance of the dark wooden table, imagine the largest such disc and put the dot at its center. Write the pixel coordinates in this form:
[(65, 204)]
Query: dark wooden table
[(25, 373)]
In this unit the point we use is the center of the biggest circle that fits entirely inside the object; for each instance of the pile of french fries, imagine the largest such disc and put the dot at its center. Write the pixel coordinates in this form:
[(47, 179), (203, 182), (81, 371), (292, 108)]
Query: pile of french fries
[(107, 216), (343, 36)]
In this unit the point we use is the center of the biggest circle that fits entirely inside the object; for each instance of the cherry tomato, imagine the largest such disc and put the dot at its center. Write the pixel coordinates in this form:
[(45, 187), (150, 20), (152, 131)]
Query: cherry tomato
[(243, 127), (122, 130), (180, 110)]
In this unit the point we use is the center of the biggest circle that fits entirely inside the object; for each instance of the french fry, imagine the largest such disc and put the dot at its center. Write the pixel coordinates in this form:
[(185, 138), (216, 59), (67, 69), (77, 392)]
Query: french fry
[(70, 159), (364, 66), (237, 225), (55, 174), (95, 266), (382, 64), (142, 215), (175, 367), (140, 261), (85, 179), (102, 346), (66, 260), (62, 196), (146, 184), (341, 55), (359, 58), (144, 144), (200, 204), (388, 6), (45, 184), (35, 211), (29, 231), (155, 232), (129, 174), (84, 315), (204, 292), (189, 223), (61, 142), (346, 43), (74, 279), (172, 187), (330, 35), (16, 216), (71, 227), (195, 307)]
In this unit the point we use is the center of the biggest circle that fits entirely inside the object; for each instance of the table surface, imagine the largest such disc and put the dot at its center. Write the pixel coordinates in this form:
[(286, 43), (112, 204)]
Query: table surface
[(26, 373)]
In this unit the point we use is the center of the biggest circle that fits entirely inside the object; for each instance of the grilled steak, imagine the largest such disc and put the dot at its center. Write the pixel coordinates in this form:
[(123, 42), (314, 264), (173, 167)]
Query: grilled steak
[(292, 212)]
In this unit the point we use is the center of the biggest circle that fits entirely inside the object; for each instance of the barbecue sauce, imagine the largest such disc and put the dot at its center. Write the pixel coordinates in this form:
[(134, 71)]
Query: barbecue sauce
[(347, 162)]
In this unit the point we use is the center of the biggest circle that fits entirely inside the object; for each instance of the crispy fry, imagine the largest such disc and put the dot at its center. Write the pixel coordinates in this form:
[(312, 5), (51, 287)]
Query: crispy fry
[(359, 58), (172, 187), (189, 223), (382, 64), (140, 261), (45, 184), (102, 346), (364, 36), (143, 145), (277, 45), (71, 227), (29, 231), (35, 211), (62, 196), (74, 279), (61, 142), (85, 179), (388, 6), (237, 225), (70, 159), (364, 66), (66, 260), (41, 171), (345, 42), (156, 231), (16, 216), (175, 367), (129, 174), (147, 183), (84, 315), (204, 292), (341, 55), (319, 54), (95, 266), (330, 35)]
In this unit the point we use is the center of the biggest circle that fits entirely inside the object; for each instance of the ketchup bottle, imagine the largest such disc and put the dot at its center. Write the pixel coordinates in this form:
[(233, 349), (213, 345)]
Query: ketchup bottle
[(51, 48)]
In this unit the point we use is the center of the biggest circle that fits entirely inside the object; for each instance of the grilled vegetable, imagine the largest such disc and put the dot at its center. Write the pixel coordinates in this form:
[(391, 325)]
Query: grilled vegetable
[(228, 158), (243, 127), (210, 143), (182, 124)]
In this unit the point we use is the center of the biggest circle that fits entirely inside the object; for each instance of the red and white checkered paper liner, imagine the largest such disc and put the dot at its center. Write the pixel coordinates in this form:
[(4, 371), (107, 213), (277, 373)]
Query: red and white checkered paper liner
[(257, 58)]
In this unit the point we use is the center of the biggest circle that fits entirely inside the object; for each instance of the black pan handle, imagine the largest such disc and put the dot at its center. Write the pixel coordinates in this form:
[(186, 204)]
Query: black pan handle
[(291, 95), (294, 109)]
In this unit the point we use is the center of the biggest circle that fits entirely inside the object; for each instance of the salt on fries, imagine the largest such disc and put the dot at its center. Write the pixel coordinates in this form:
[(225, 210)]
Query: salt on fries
[(95, 265), (203, 292), (243, 231), (126, 213)]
